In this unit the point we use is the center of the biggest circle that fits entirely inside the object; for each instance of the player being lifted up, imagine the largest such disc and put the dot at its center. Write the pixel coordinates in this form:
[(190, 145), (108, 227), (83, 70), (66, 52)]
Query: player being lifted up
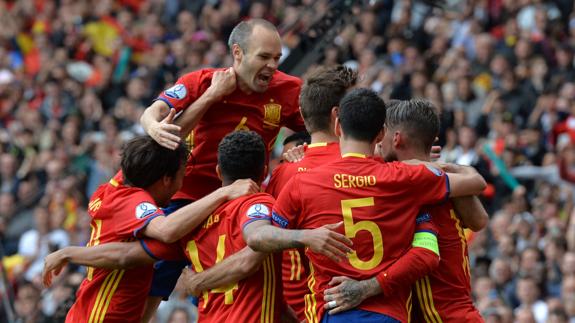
[(250, 95), (255, 299), (372, 198)]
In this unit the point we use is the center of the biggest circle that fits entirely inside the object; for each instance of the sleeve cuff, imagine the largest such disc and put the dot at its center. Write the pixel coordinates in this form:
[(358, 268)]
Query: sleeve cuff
[(381, 279), (269, 219), (143, 226), (148, 251), (166, 101), (448, 189)]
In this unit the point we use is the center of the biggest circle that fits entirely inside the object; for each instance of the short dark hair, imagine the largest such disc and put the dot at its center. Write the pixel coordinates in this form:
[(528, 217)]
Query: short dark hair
[(242, 155), (322, 90), (298, 138), (241, 33), (418, 118), (362, 114), (144, 161)]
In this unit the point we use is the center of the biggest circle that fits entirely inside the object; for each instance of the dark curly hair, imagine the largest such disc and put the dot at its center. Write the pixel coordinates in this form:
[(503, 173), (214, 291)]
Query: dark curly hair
[(242, 155)]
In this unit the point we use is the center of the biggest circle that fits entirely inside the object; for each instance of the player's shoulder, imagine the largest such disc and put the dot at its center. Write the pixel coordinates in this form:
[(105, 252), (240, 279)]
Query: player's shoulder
[(262, 197), (204, 74), (286, 169)]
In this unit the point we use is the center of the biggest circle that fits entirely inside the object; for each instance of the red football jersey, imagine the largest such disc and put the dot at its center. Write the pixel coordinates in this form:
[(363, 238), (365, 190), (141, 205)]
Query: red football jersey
[(445, 295), (370, 197), (295, 267), (254, 299), (265, 113), (118, 213)]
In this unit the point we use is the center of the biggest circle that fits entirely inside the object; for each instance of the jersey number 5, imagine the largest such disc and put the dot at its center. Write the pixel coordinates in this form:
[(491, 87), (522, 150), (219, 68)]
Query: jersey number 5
[(220, 254), (351, 230)]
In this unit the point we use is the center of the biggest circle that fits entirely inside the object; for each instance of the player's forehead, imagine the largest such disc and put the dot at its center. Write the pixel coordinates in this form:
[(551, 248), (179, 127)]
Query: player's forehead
[(264, 41)]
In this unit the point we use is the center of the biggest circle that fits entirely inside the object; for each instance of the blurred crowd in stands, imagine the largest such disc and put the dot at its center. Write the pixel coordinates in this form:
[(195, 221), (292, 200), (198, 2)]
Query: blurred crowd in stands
[(75, 76)]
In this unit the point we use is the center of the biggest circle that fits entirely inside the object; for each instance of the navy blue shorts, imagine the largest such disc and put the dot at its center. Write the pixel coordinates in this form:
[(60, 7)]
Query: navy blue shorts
[(357, 315), (166, 273)]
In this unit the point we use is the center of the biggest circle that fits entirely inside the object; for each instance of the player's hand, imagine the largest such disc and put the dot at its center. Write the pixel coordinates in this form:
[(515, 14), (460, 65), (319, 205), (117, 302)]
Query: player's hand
[(223, 83), (53, 265), (239, 188), (435, 153), (190, 283), (344, 294), (165, 132), (294, 154), (324, 240)]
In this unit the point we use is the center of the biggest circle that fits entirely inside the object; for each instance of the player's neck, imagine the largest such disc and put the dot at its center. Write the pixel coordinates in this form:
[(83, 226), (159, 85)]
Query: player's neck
[(352, 146), (244, 87), (322, 136), (410, 154)]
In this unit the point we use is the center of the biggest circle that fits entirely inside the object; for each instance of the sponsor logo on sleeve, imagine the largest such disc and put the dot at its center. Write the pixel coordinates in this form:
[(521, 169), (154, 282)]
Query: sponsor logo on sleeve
[(145, 209), (177, 91), (435, 171), (424, 217), (279, 220), (258, 211)]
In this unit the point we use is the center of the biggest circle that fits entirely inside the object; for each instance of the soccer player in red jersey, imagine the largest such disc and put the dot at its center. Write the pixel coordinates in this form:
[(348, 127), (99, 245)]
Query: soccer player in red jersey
[(250, 95), (127, 208), (254, 299), (445, 294), (319, 98), (371, 198)]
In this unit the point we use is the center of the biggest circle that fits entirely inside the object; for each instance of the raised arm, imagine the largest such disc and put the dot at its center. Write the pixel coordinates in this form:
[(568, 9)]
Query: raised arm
[(158, 120), (264, 237), (464, 180), (115, 255), (223, 83), (471, 212), (238, 266), (172, 228)]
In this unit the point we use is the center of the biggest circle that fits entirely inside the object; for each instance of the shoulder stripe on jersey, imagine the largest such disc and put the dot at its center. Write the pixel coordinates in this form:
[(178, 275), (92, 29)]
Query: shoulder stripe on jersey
[(96, 230), (425, 298), (109, 298), (268, 298), (114, 182), (102, 296), (461, 234), (317, 144), (99, 296), (309, 299), (272, 289), (408, 306)]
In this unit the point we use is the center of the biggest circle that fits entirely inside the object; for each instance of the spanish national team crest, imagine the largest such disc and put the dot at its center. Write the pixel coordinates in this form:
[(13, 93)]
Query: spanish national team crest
[(272, 115)]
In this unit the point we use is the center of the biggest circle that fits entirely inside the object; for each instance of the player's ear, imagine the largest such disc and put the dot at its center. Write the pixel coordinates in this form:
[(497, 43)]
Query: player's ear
[(334, 113), (397, 139), (380, 135), (167, 180), (337, 127), (264, 173), (219, 172), (237, 52)]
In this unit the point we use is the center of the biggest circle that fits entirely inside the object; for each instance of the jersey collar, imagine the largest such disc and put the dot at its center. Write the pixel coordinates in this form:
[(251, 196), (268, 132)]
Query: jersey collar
[(356, 155)]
